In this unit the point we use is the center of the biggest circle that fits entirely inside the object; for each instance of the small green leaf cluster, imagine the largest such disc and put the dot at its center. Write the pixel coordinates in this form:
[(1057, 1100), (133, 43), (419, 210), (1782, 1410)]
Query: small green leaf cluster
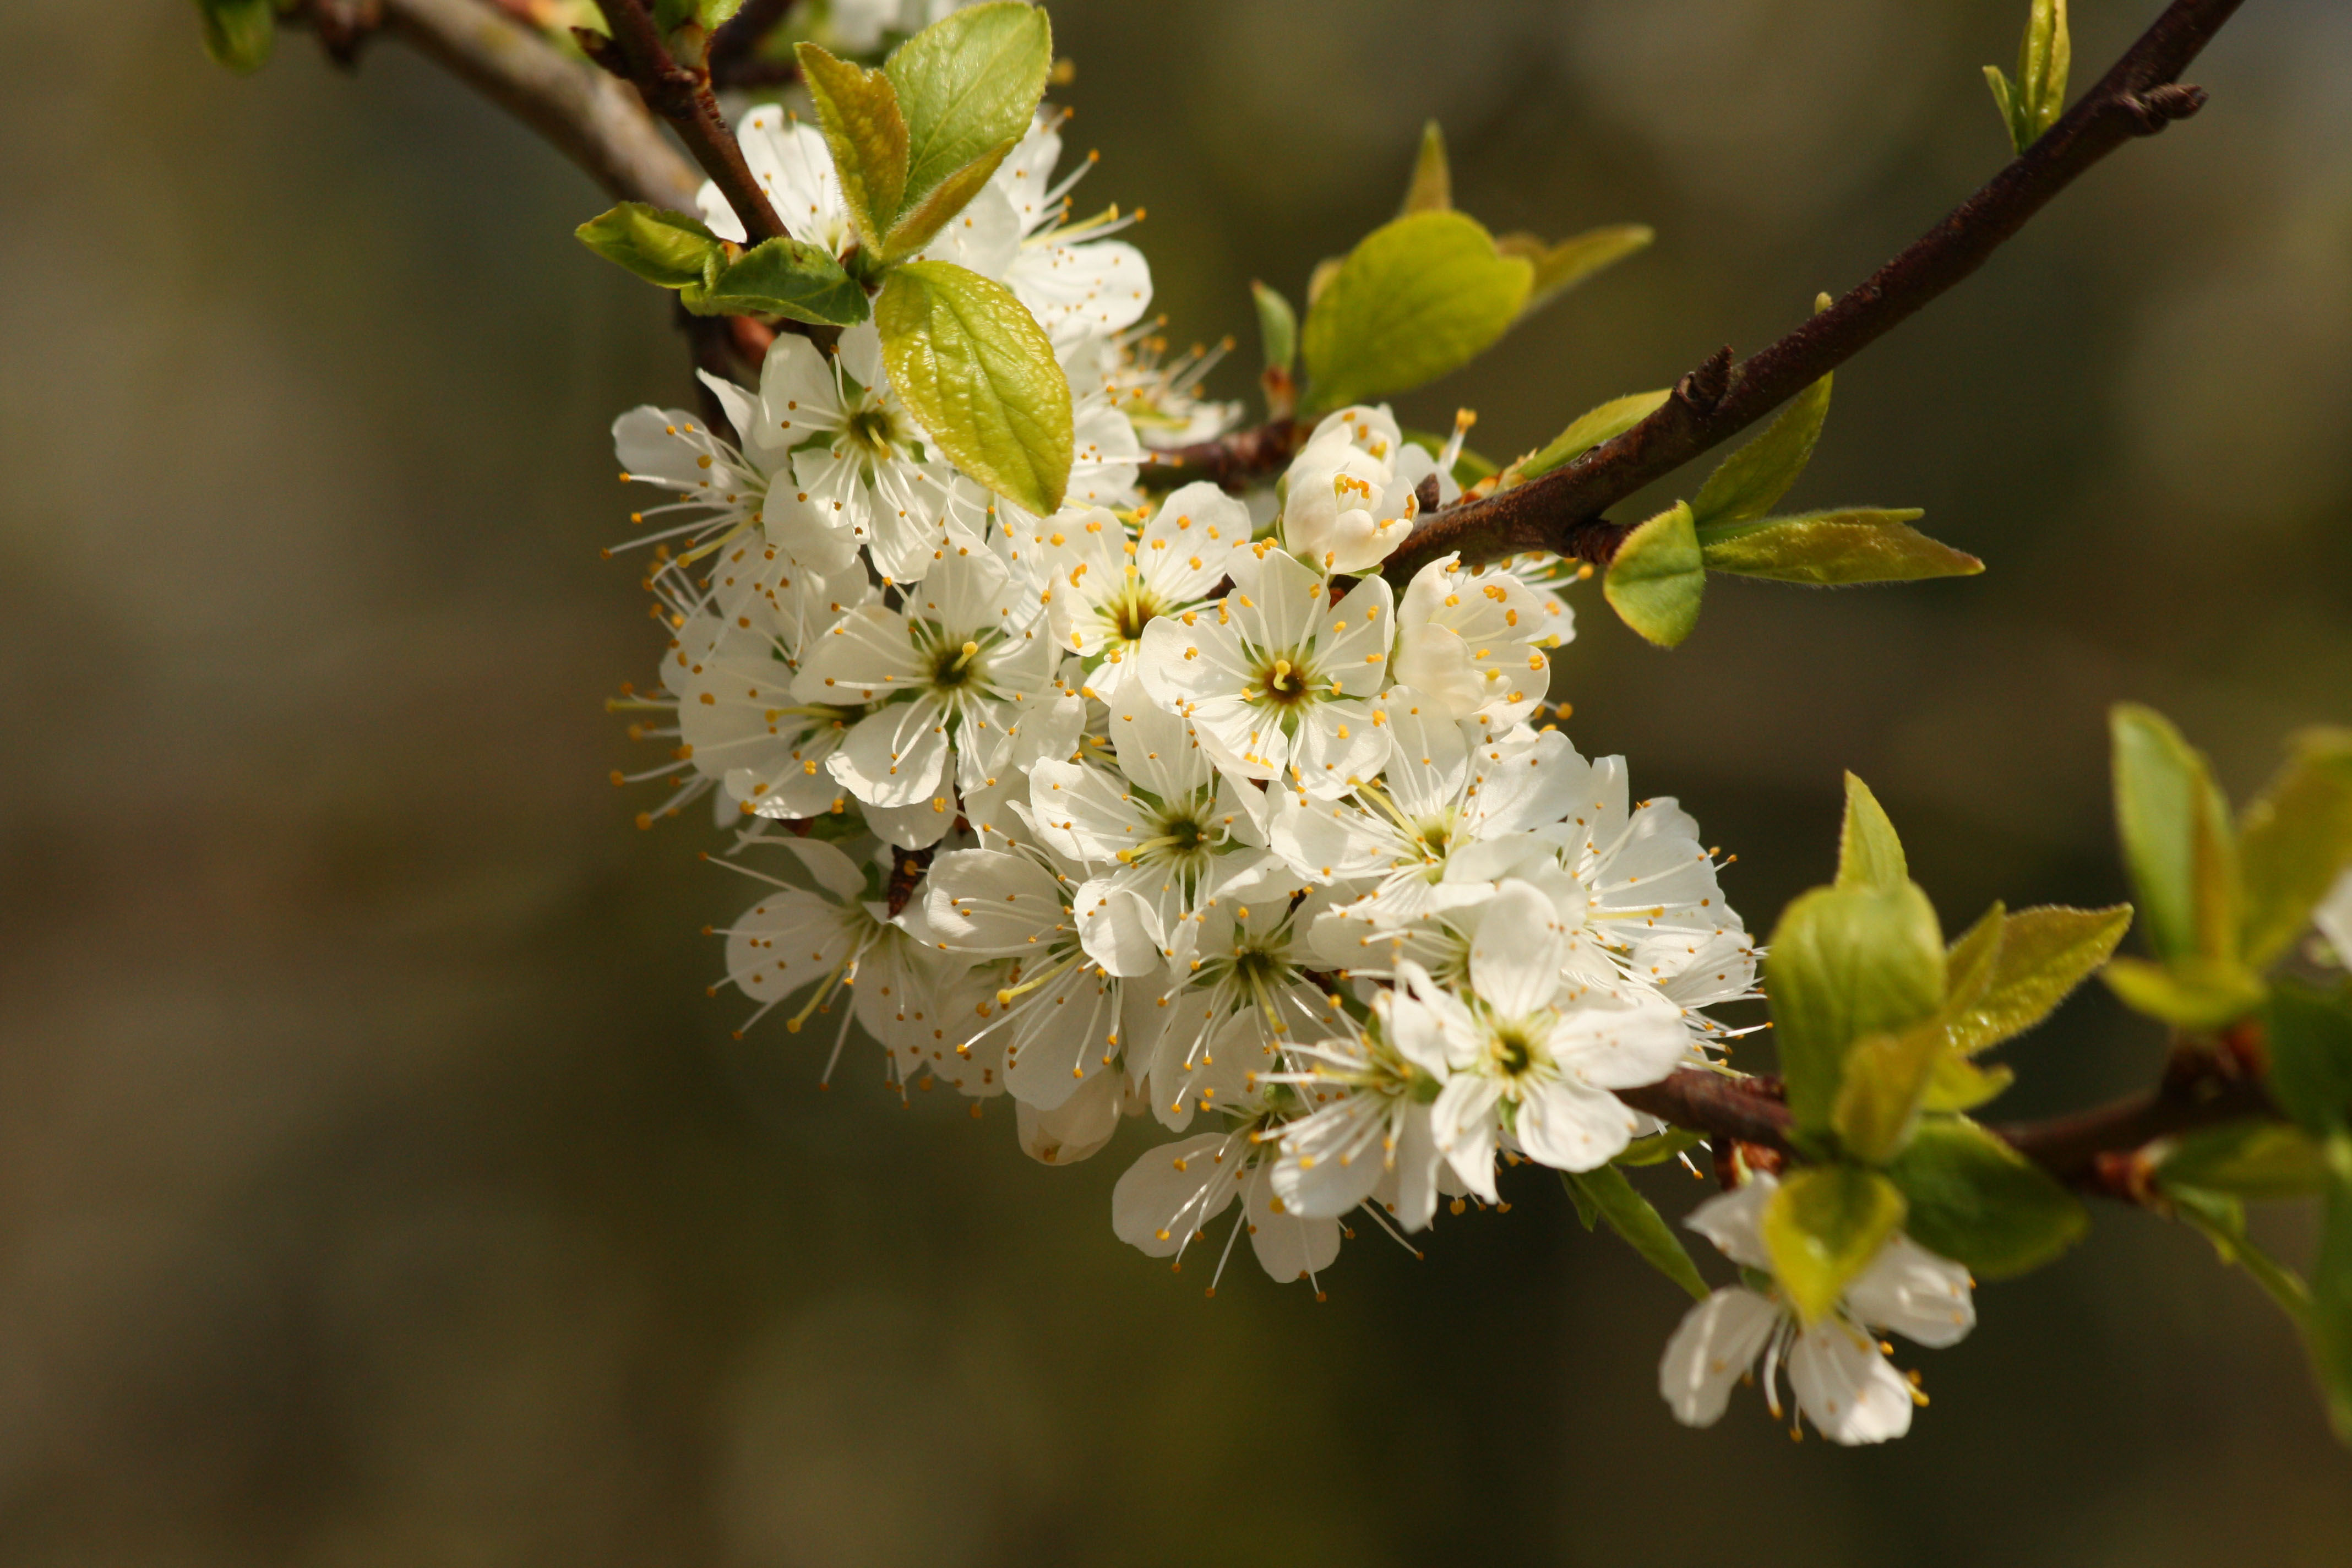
[(913, 140), (2225, 902), (1658, 574), (239, 34), (1878, 1023), (2029, 105), (1420, 296)]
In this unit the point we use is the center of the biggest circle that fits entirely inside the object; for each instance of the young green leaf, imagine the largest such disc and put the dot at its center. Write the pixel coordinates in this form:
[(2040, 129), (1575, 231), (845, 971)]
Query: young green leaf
[(1561, 267), (1883, 1078), (1823, 1227), (2190, 993), (1980, 1202), (239, 34), (2294, 841), (1631, 1216), (1846, 962), (967, 86), (1431, 190), (858, 110), (1277, 327), (979, 374), (1749, 482), (1959, 1084), (1855, 544), (781, 277), (2259, 1160), (1419, 297), (1656, 579), (707, 15), (2042, 954), (2177, 838), (2309, 1034), (922, 221), (1588, 430), (660, 246), (2044, 58), (2004, 101), (1658, 1147), (2331, 1290), (2221, 1220), (1869, 853)]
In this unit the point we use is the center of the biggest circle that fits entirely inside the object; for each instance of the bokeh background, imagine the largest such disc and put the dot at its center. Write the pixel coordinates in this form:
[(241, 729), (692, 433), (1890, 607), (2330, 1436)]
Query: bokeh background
[(377, 1184)]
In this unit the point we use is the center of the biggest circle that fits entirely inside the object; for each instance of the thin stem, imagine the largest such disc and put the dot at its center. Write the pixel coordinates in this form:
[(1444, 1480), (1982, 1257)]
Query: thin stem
[(1560, 513), (680, 95)]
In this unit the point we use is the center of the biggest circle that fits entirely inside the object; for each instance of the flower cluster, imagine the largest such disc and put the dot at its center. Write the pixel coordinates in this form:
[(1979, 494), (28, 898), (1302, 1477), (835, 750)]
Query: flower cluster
[(1173, 807)]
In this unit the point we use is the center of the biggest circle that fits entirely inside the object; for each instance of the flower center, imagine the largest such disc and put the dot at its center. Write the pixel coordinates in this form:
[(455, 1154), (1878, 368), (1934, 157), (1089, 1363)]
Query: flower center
[(1511, 1048), (955, 665), (1279, 682), (871, 430), (1131, 611)]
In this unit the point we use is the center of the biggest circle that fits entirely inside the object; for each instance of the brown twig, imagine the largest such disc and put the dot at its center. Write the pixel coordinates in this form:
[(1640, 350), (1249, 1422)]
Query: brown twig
[(1237, 461), (593, 120), (1561, 511), (735, 59), (680, 94)]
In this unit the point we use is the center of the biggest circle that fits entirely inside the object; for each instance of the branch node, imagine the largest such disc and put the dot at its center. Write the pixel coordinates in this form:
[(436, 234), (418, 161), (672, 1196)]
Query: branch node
[(1702, 390), (2159, 107)]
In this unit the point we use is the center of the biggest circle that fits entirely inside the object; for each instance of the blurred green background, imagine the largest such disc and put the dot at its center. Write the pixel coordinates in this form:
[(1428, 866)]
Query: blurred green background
[(378, 1186)]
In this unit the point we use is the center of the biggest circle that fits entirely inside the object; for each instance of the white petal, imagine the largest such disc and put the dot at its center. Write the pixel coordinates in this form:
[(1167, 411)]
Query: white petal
[(1734, 1221), (1907, 1288), (1288, 1246), (895, 757), (1072, 1130), (1718, 1340), (1572, 1128), (1117, 928), (1462, 1121), (1852, 1393), (1515, 960), (1172, 1192), (2334, 918)]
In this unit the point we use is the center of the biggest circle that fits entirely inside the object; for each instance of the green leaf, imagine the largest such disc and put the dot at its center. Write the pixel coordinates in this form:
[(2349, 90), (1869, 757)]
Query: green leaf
[(2177, 838), (1883, 1078), (660, 246), (2294, 841), (1855, 544), (1588, 430), (2044, 57), (2260, 1159), (967, 86), (1631, 1216), (2004, 99), (2331, 1290), (2189, 993), (781, 277), (858, 112), (1431, 190), (1587, 1209), (1843, 963), (1823, 1227), (2042, 954), (1869, 853), (1561, 267), (1749, 482), (1659, 1147), (1980, 1202), (707, 15), (1419, 297), (239, 34), (2309, 1034), (2221, 1220), (920, 223), (1277, 327), (1959, 1084), (979, 374), (1655, 580)]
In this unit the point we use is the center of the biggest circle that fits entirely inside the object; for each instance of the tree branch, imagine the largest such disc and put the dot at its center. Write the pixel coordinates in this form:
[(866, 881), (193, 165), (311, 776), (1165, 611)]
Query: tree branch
[(735, 59), (1560, 513), (680, 95), (1237, 461), (593, 120)]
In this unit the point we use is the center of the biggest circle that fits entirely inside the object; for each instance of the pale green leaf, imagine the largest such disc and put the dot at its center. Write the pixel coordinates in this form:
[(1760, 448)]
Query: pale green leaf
[(1749, 482), (979, 374), (1320, 279), (2177, 838), (1846, 962), (2331, 1290), (1959, 1084), (1588, 430), (1419, 297), (968, 84), (858, 108), (2221, 1219), (2042, 954), (1563, 266), (2309, 1035), (1431, 190), (1659, 1147), (660, 246), (1823, 1227), (2190, 993), (922, 220), (1631, 1216), (1883, 1078), (1978, 1201), (1852, 545), (2258, 1159), (2044, 58), (781, 277), (239, 34), (2294, 841), (1655, 580), (2004, 99), (1277, 327), (1869, 853)]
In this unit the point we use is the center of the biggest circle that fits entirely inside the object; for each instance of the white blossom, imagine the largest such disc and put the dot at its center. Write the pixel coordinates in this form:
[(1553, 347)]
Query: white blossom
[(1167, 1198), (1839, 1373), (1106, 582), (1350, 498), (1470, 641)]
